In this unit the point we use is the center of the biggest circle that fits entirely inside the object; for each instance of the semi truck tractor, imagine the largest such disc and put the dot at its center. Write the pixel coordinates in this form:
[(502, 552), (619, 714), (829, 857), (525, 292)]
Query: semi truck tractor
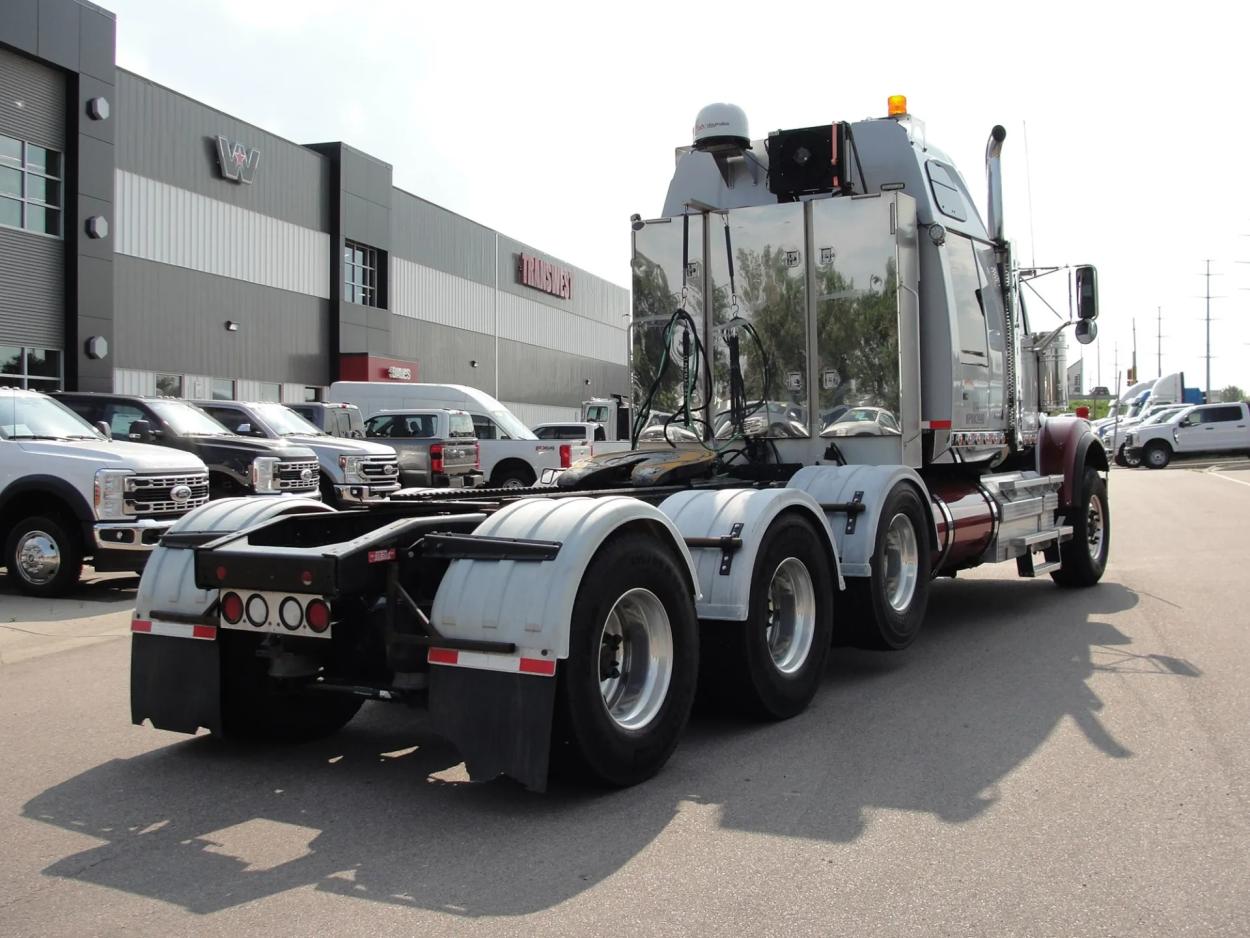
[(789, 282)]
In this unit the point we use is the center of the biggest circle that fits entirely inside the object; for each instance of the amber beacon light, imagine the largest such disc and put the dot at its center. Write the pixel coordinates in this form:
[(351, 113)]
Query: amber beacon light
[(897, 105)]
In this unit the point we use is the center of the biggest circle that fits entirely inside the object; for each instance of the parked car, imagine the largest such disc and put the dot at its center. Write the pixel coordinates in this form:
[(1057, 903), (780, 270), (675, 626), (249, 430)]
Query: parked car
[(511, 456), (333, 417), (353, 472), (864, 421), (435, 447), (237, 465), (1111, 435), (1205, 429), (68, 494), (588, 432)]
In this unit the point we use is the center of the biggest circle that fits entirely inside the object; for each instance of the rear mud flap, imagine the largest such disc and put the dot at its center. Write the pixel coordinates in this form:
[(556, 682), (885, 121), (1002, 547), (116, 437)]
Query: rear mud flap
[(175, 683), (499, 722)]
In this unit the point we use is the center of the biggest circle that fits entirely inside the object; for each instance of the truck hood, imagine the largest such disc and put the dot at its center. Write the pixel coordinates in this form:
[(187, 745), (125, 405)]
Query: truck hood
[(341, 446), (248, 445), (108, 454)]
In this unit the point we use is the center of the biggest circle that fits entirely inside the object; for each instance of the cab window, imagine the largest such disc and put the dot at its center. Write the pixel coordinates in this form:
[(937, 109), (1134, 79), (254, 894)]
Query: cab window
[(946, 191), (460, 426), (966, 287), (597, 414), (485, 428)]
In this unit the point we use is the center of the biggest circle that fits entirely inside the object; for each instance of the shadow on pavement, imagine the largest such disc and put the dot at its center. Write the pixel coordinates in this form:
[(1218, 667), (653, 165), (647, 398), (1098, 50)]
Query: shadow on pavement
[(208, 825), (96, 594)]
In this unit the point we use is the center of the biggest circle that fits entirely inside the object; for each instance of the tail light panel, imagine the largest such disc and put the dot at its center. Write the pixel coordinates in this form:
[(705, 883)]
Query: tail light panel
[(305, 615), (436, 457), (566, 455), (477, 455)]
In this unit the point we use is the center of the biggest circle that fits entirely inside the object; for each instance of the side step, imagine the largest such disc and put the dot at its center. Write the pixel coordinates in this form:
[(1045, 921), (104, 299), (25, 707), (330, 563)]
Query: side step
[(1048, 543)]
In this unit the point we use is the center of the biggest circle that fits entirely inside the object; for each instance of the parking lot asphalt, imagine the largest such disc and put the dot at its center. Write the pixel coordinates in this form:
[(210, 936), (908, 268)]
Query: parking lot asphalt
[(1040, 762)]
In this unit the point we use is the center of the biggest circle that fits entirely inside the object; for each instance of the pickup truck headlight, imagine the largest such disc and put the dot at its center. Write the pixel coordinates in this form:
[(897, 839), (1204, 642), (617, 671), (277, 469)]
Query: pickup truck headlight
[(1130, 439), (265, 475), (110, 494), (351, 466)]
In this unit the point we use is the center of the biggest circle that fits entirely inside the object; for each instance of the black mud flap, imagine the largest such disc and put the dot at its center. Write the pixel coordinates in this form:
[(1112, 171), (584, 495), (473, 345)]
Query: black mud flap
[(175, 683), (499, 722)]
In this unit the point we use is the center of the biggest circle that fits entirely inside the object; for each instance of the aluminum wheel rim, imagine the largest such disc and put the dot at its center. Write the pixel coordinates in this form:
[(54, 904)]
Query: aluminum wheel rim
[(1094, 528), (635, 659), (902, 563), (791, 615), (38, 558), (513, 484)]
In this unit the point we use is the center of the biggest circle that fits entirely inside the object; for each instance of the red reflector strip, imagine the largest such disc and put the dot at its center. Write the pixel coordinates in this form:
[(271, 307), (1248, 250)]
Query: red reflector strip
[(544, 667), (381, 556), (173, 629), (537, 666), (935, 425)]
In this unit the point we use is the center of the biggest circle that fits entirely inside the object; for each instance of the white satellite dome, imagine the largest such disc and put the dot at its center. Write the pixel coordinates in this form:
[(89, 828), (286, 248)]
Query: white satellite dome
[(720, 124)]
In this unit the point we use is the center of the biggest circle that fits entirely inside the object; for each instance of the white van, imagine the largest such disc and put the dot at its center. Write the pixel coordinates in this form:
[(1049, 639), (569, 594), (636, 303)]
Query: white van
[(511, 455)]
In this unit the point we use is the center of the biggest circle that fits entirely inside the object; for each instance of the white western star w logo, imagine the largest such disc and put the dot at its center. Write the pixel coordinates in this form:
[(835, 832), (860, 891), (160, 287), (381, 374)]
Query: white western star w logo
[(237, 162)]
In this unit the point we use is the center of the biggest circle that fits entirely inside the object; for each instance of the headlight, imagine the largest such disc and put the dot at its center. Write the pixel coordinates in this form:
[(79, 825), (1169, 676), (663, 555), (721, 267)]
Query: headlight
[(351, 468), (265, 474), (110, 493), (1130, 439)]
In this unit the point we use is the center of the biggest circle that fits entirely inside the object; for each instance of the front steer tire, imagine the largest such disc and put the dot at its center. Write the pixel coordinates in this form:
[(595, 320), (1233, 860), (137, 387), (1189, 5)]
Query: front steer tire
[(1085, 555), (46, 537), (634, 585)]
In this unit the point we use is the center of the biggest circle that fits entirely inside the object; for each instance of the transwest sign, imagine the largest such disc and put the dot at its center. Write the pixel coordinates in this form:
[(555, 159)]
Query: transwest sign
[(237, 161), (542, 275)]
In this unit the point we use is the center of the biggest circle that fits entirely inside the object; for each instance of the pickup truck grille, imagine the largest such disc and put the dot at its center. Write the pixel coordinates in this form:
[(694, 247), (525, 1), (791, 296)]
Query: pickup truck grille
[(298, 476), (381, 470), (155, 495)]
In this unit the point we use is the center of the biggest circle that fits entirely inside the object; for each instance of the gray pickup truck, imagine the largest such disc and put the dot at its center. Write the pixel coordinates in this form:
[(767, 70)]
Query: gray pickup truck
[(436, 448)]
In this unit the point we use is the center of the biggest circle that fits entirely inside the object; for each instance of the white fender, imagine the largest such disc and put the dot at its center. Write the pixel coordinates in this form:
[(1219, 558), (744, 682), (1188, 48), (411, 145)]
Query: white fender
[(530, 603), (713, 513), (872, 485), (168, 582)]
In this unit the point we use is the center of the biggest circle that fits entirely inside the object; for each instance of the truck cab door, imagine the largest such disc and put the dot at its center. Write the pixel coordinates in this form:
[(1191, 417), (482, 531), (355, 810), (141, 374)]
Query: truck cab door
[(1194, 434)]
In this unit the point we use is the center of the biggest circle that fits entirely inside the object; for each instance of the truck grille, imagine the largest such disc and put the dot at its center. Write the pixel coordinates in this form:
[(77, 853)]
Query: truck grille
[(166, 495), (381, 470), (298, 476)]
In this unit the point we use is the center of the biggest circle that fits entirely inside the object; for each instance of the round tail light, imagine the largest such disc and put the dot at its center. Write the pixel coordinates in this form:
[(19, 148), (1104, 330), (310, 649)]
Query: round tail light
[(291, 613), (257, 610), (232, 608), (317, 615)]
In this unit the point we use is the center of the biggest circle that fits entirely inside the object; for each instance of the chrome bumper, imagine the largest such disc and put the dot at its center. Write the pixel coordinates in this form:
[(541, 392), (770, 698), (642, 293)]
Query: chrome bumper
[(140, 535), (365, 494)]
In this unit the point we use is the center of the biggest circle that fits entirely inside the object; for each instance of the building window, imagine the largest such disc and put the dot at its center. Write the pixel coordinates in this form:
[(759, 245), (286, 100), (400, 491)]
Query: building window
[(169, 385), (270, 391), (30, 187), (360, 274), (223, 389), (38, 369)]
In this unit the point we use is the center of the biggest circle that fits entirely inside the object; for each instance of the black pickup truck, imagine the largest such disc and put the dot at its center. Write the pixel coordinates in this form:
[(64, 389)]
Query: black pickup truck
[(237, 465)]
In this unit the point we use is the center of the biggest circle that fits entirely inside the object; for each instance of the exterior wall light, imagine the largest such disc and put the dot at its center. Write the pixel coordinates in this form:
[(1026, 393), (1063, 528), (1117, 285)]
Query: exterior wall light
[(232, 326)]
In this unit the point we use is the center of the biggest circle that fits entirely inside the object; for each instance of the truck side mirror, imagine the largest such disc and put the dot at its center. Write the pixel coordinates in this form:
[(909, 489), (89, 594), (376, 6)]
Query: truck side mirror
[(1086, 331), (140, 431), (104, 428), (243, 429), (1086, 293)]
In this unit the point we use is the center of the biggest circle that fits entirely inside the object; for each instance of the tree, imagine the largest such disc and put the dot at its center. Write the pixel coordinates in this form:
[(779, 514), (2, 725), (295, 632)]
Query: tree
[(1232, 393)]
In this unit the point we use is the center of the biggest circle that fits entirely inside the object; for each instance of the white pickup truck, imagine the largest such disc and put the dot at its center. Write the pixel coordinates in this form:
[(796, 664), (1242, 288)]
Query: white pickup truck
[(69, 493), (1204, 429), (511, 456)]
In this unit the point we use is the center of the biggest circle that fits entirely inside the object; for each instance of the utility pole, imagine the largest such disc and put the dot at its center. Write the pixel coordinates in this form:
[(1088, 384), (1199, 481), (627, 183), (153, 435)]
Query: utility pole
[(1208, 275), (1134, 368), (1159, 365)]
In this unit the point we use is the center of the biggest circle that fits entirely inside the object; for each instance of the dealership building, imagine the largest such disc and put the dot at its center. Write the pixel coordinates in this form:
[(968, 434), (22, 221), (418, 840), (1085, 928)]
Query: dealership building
[(152, 244)]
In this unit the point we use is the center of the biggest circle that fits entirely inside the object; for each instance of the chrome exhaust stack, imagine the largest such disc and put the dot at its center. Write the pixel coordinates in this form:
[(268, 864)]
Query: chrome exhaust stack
[(994, 176)]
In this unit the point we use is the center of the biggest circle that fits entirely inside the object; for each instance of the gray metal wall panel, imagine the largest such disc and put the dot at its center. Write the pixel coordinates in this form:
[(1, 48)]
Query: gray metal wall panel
[(32, 289), (428, 234), (20, 25), (166, 136), (543, 376), (41, 89), (443, 353), (173, 319)]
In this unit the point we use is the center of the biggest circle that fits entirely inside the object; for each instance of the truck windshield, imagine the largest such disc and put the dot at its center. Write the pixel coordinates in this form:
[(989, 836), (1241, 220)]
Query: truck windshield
[(285, 422), (41, 418), (187, 420), (511, 425), (1162, 416)]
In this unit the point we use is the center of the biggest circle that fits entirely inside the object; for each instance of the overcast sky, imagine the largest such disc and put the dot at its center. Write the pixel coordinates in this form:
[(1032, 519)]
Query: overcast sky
[(554, 122)]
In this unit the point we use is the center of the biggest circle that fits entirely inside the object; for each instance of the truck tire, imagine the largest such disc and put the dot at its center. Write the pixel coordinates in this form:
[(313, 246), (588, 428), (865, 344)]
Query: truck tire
[(1157, 454), (513, 477), (624, 693), (888, 607), (771, 665), (44, 556), (256, 706), (1085, 556)]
